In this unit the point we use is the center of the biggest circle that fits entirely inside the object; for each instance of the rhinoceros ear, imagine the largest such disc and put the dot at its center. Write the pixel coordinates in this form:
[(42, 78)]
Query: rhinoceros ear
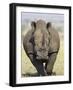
[(33, 25), (48, 25)]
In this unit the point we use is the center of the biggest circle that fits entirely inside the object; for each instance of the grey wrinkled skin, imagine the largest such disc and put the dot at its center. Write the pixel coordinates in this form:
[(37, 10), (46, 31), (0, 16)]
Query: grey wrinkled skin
[(42, 44)]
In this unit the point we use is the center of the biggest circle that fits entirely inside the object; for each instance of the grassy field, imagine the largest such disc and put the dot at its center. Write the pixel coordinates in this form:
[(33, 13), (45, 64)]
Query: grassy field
[(28, 68), (59, 64)]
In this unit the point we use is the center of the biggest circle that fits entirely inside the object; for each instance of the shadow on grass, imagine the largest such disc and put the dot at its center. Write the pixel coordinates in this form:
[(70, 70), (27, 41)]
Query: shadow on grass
[(30, 75), (36, 74)]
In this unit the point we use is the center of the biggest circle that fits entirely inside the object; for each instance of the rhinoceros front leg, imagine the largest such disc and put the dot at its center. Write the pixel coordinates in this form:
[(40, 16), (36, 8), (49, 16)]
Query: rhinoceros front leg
[(50, 64), (38, 65)]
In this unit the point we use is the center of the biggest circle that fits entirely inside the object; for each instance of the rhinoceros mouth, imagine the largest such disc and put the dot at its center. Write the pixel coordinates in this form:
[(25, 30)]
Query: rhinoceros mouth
[(41, 56)]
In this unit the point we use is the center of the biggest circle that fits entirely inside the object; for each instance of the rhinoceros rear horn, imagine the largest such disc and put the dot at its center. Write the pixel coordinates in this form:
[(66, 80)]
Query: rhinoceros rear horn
[(48, 24), (33, 25)]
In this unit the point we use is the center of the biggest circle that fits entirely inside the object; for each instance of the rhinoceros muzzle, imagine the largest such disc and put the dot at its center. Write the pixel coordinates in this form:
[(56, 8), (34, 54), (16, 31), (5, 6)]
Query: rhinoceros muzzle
[(42, 55)]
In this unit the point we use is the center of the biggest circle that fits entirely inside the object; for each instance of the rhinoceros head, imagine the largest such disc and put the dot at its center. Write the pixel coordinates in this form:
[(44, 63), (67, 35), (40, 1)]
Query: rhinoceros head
[(41, 39)]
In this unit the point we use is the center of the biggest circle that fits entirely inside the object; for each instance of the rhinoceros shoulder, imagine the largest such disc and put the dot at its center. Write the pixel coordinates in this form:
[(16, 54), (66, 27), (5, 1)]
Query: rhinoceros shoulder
[(27, 44), (54, 40)]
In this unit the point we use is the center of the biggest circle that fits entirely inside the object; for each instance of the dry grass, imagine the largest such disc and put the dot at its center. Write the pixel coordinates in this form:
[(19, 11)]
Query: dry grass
[(59, 64), (27, 66)]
